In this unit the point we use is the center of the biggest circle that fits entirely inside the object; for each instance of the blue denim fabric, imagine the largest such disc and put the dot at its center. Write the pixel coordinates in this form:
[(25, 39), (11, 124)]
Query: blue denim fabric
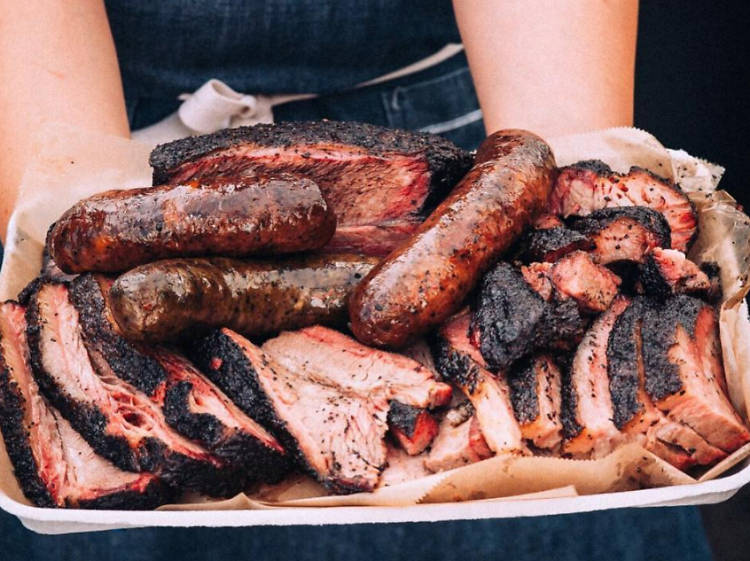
[(626, 535)]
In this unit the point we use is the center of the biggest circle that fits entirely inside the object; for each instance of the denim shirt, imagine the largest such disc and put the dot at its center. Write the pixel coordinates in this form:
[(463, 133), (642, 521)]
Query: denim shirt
[(169, 47)]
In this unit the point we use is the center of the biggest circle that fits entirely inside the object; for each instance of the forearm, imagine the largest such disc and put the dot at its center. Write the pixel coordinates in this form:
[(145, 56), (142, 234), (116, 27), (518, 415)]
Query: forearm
[(552, 67), (57, 63)]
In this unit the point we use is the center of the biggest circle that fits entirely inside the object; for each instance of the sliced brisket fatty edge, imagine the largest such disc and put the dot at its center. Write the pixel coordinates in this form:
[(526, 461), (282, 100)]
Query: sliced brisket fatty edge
[(68, 483), (178, 461), (237, 367), (684, 373)]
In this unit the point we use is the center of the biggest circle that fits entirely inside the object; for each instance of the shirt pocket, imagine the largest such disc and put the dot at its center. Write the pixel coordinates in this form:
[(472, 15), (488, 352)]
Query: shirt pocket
[(446, 105)]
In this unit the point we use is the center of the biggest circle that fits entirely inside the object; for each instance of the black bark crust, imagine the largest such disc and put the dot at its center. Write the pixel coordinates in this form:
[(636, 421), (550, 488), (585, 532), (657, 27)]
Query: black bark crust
[(550, 244), (240, 450), (237, 377), (447, 162), (16, 439), (513, 320), (123, 357), (403, 417), (523, 384), (623, 357), (598, 220), (456, 366), (156, 493), (659, 335), (569, 406), (152, 454)]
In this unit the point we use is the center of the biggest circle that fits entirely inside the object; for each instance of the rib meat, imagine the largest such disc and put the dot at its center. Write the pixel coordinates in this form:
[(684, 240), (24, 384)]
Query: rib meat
[(335, 432), (550, 244), (536, 397), (587, 186), (191, 404), (684, 374), (591, 286), (623, 233), (457, 444), (460, 362), (120, 422), (634, 412), (587, 409), (380, 182), (53, 464)]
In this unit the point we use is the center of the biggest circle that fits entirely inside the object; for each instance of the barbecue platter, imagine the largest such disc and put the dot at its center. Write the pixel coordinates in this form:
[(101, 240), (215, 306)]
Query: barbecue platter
[(362, 305)]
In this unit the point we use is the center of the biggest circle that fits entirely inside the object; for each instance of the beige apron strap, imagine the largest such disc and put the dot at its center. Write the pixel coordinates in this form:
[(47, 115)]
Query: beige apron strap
[(216, 106)]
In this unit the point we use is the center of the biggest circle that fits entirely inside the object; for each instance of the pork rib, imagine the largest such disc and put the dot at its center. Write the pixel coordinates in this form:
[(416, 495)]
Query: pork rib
[(53, 463), (380, 182)]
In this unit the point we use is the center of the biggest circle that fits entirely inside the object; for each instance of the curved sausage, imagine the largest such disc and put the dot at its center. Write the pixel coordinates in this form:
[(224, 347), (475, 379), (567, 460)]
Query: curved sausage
[(259, 214), (160, 300), (425, 280)]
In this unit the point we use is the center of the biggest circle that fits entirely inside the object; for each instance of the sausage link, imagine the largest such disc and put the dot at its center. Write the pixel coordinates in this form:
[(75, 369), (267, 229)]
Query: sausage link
[(424, 281), (117, 230), (160, 300)]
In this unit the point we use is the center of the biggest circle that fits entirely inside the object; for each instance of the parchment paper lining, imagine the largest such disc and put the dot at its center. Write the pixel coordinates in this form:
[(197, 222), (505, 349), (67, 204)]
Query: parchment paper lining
[(72, 164)]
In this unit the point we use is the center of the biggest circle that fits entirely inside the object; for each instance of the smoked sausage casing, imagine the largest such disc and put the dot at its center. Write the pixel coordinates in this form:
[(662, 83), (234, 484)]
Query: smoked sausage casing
[(425, 280), (161, 300), (258, 214)]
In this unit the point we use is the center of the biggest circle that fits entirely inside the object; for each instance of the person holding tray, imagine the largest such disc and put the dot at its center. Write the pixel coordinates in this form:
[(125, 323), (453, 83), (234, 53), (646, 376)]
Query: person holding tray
[(158, 68)]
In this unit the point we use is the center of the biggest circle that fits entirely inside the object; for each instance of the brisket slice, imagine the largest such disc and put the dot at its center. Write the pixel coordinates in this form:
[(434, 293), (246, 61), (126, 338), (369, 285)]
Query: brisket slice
[(550, 244), (634, 412), (53, 463), (119, 422), (460, 362), (402, 467), (191, 404), (588, 186), (623, 233), (536, 397), (380, 182), (512, 319), (413, 427), (335, 359), (591, 286), (684, 373), (336, 434), (666, 272), (587, 409), (457, 444)]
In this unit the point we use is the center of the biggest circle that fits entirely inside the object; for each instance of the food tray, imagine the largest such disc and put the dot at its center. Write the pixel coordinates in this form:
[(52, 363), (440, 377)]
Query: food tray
[(101, 162)]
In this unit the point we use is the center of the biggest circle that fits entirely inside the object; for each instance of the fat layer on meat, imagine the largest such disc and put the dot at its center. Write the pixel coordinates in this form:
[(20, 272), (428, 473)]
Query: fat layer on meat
[(53, 463)]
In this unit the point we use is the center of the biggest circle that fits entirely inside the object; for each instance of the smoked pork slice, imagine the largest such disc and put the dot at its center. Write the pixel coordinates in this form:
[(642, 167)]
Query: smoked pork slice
[(380, 182), (53, 464), (535, 392), (587, 186), (335, 432), (634, 412), (457, 445), (623, 233), (461, 363), (587, 409), (119, 422), (684, 373)]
